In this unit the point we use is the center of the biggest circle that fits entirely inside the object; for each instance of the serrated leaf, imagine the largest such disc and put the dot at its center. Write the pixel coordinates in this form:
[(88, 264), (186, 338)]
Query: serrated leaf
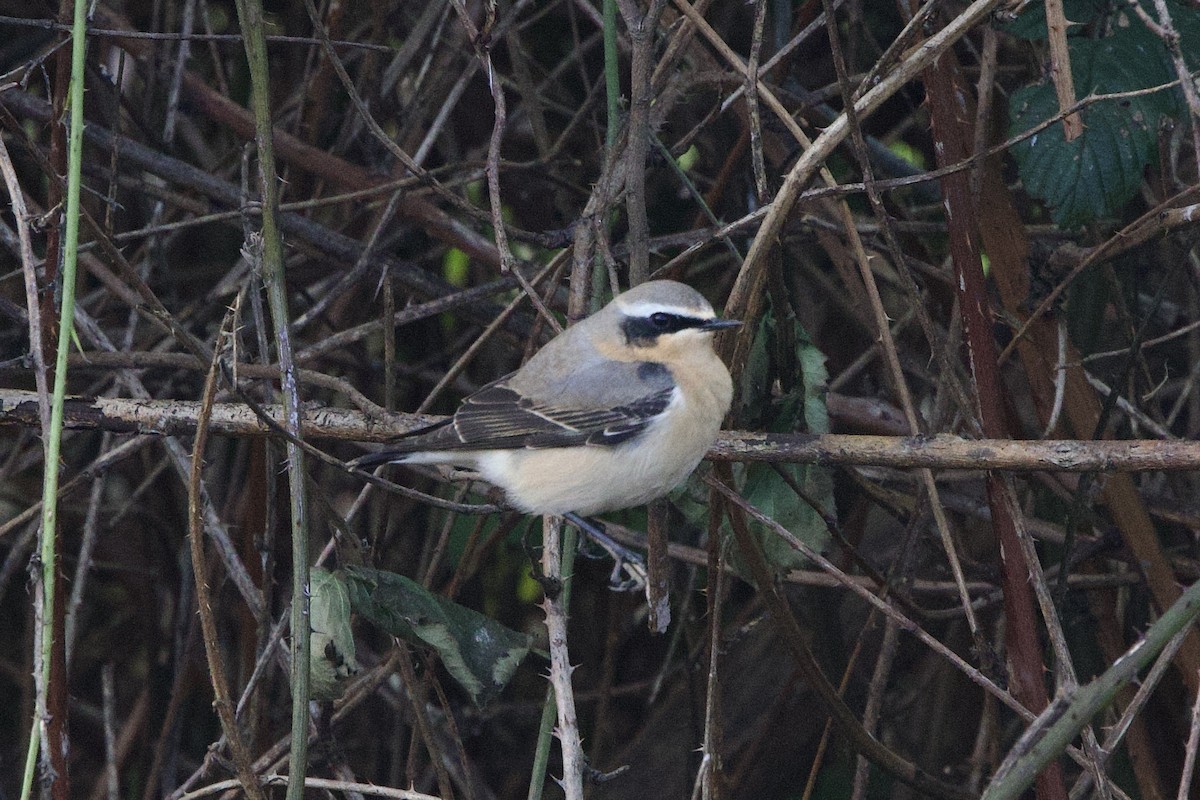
[(478, 652), (331, 655), (1100, 171)]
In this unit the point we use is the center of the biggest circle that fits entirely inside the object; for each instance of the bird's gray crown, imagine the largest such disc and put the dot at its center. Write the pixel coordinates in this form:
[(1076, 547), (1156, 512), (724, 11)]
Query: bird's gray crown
[(670, 297)]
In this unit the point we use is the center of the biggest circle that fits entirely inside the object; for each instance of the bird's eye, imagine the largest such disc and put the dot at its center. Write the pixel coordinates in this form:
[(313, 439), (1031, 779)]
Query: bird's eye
[(661, 320)]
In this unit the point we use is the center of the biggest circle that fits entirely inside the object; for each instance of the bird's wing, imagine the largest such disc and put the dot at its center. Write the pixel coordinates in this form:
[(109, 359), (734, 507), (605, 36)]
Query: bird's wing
[(605, 404), (499, 416)]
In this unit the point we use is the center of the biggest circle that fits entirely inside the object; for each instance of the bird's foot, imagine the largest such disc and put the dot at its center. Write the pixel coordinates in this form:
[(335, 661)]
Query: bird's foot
[(629, 568)]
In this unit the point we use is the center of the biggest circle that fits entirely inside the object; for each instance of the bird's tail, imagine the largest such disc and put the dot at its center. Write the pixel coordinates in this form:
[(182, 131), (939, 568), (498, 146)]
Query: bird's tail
[(403, 447), (375, 459)]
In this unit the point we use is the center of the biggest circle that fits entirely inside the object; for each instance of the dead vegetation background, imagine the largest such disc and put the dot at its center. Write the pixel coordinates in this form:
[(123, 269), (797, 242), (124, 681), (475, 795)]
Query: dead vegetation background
[(384, 154)]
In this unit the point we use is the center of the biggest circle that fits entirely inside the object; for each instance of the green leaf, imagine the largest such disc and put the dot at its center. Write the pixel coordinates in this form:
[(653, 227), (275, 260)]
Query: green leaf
[(815, 382), (769, 492), (756, 376), (773, 493), (480, 653), (331, 655), (801, 408), (1095, 175)]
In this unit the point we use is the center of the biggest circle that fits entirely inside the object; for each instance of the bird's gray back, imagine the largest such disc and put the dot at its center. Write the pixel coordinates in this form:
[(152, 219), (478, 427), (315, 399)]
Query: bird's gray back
[(570, 372)]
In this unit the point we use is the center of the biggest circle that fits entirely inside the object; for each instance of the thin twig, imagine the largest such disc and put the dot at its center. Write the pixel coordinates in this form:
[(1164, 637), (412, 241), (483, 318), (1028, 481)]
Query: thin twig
[(316, 783), (641, 29), (222, 701), (560, 661), (1189, 759), (1060, 68), (37, 343), (1166, 30), (883, 328)]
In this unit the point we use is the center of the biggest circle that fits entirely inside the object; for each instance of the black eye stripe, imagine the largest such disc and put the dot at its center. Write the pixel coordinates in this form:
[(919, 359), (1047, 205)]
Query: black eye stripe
[(643, 330)]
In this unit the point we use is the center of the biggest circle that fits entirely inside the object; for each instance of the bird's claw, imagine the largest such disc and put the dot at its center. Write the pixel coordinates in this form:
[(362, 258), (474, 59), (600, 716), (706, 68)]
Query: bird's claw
[(629, 568), (634, 570)]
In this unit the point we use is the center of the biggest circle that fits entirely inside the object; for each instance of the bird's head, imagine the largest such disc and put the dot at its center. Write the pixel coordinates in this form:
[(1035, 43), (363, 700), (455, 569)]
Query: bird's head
[(661, 321)]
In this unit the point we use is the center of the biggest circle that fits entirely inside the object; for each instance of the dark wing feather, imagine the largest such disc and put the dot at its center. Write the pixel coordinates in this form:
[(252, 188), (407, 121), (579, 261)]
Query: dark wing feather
[(497, 416)]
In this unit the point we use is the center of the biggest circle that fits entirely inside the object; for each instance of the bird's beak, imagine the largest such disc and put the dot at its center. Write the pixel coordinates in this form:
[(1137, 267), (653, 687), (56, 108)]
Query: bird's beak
[(716, 323)]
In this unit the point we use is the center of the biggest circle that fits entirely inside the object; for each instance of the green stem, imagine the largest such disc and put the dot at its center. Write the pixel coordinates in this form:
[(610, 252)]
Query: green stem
[(1066, 716), (612, 90), (65, 328), (612, 73), (251, 15)]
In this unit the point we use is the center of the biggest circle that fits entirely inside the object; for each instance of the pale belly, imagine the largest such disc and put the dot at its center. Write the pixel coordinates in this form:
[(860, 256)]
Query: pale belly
[(591, 480)]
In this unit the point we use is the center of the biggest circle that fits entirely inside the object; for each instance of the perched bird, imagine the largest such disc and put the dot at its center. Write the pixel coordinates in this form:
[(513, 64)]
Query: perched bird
[(612, 413)]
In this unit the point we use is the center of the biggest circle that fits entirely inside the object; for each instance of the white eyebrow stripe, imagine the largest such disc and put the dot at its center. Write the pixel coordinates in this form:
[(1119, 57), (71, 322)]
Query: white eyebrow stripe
[(644, 309)]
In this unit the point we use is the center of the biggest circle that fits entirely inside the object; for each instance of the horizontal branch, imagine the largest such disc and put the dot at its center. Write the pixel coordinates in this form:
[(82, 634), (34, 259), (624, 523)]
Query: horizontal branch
[(178, 417)]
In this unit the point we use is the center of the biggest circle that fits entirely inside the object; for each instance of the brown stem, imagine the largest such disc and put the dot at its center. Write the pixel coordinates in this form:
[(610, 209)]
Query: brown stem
[(942, 451), (1060, 68), (642, 28), (951, 129)]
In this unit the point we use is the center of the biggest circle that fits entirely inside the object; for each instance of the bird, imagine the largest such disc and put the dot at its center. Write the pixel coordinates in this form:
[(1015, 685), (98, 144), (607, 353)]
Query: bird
[(612, 413)]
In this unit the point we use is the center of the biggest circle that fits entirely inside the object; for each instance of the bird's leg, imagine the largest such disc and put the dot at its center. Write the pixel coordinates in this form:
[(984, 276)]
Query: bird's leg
[(629, 568)]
